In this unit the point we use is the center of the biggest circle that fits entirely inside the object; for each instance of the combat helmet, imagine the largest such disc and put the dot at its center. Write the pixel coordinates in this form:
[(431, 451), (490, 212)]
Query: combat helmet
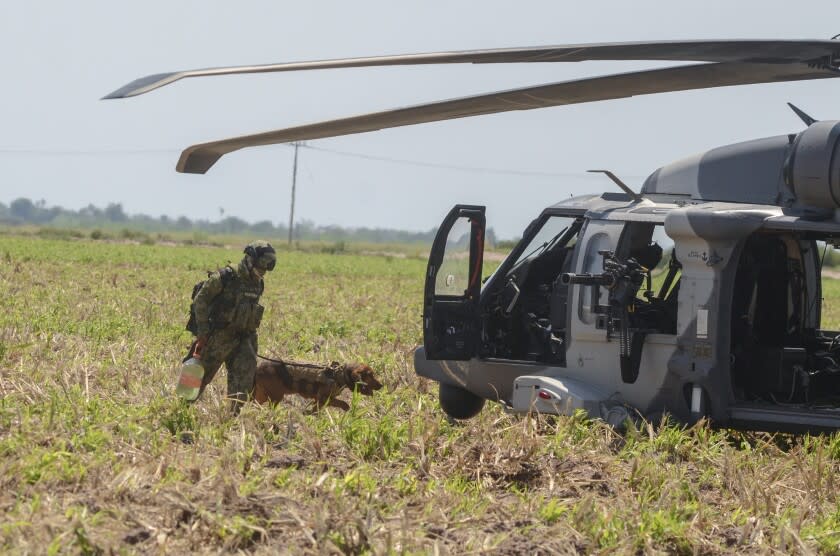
[(262, 255)]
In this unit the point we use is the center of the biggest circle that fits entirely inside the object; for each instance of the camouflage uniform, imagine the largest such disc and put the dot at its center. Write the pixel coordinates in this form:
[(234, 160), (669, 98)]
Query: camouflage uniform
[(228, 313)]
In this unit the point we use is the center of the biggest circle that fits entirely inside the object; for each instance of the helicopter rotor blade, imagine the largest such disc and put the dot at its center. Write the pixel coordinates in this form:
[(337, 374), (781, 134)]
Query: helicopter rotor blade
[(755, 51), (197, 159)]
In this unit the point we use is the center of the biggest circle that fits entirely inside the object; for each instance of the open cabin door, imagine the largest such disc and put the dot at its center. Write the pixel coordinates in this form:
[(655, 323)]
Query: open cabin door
[(453, 284)]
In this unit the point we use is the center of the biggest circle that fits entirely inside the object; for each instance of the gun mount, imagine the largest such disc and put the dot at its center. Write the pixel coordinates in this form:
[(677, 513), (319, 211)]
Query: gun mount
[(623, 279)]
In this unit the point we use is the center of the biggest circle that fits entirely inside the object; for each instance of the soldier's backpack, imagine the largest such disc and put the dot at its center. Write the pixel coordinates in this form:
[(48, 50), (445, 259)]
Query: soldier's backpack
[(226, 273)]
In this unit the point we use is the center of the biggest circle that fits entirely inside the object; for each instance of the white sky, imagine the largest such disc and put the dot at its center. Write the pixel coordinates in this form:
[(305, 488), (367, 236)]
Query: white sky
[(58, 59)]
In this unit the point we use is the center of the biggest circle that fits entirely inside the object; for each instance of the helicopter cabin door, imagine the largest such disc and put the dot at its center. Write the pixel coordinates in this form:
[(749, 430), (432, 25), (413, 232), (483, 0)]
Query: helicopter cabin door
[(453, 284)]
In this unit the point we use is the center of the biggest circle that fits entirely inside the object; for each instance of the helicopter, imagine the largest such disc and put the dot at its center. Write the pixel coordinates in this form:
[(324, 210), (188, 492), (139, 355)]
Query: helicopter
[(575, 317)]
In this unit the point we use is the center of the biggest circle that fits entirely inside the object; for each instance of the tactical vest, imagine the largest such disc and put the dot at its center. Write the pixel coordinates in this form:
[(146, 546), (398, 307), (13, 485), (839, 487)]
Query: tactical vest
[(238, 306)]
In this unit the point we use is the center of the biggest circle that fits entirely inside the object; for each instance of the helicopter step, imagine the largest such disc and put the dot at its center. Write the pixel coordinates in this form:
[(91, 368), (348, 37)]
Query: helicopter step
[(784, 419)]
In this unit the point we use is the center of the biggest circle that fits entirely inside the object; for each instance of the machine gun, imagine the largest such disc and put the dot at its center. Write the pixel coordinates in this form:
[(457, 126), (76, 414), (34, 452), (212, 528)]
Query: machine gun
[(623, 279)]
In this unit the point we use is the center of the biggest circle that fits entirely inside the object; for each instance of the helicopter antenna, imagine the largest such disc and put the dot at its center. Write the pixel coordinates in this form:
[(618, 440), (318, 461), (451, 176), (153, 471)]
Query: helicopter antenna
[(624, 187), (802, 115)]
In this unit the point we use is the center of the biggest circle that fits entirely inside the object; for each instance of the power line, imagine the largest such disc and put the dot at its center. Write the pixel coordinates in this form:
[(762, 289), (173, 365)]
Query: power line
[(362, 156), (84, 152), (459, 168)]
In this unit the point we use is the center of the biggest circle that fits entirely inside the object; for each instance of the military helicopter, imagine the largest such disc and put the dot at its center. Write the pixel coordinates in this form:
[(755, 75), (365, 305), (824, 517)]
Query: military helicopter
[(573, 318)]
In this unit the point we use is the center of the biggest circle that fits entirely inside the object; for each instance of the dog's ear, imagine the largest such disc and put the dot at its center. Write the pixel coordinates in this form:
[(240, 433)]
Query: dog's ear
[(356, 371), (369, 378)]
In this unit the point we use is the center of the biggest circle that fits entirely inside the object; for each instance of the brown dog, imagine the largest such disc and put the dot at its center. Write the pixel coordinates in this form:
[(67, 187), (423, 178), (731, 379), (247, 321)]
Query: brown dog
[(322, 383)]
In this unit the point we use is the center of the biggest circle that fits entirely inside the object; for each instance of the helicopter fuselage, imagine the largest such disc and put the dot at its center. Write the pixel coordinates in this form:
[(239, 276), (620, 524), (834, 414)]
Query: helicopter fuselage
[(729, 329)]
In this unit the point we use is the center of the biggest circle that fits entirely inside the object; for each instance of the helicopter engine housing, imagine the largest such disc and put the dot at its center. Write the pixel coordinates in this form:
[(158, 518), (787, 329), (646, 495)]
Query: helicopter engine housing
[(813, 168)]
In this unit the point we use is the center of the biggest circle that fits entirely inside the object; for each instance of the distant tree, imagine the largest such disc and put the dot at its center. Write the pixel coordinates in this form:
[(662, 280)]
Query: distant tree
[(232, 225), (263, 227), (183, 223), (304, 229), (23, 209), (52, 213), (114, 213), (90, 212)]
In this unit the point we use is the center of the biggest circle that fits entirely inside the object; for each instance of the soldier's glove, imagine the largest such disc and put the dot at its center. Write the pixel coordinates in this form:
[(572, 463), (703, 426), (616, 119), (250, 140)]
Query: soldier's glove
[(200, 342)]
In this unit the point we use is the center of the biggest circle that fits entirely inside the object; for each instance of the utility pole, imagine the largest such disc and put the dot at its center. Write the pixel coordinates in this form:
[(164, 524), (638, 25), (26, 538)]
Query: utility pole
[(297, 144)]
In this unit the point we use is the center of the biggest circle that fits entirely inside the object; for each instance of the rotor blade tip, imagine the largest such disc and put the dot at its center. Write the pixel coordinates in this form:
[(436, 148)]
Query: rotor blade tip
[(119, 93), (196, 161), (143, 85)]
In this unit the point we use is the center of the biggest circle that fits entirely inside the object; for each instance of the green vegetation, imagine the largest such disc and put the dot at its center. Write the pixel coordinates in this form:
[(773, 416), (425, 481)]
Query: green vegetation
[(98, 456)]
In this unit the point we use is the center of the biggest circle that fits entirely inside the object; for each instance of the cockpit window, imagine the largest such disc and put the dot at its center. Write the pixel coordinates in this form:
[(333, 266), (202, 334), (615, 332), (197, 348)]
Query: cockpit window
[(548, 237)]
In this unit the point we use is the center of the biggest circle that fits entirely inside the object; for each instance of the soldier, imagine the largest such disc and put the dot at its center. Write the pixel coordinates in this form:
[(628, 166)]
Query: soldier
[(227, 315)]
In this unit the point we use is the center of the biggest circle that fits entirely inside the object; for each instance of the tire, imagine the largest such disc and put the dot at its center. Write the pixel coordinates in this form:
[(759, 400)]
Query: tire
[(458, 403)]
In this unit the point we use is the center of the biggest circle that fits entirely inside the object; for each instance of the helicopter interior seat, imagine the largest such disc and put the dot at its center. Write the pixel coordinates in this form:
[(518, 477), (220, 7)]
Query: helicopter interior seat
[(520, 322), (657, 312), (544, 316), (668, 320), (559, 299), (667, 298), (649, 256), (559, 296)]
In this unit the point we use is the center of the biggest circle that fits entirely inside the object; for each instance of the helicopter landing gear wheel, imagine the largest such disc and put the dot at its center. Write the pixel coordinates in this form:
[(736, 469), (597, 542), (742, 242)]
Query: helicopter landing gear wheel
[(458, 403)]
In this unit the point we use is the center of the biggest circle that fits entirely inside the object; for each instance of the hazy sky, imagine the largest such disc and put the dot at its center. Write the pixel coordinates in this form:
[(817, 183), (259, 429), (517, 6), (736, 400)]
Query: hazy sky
[(60, 143)]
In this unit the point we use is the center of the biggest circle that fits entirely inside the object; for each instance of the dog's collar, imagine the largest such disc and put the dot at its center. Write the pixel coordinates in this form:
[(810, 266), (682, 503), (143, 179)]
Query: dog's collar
[(343, 374), (348, 376)]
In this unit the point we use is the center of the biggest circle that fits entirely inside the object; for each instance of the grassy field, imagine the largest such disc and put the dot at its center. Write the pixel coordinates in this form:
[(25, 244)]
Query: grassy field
[(97, 455)]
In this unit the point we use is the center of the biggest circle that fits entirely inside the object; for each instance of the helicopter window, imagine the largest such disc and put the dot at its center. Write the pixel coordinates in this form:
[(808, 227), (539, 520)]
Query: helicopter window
[(548, 238), (656, 300), (454, 273), (593, 264), (525, 318)]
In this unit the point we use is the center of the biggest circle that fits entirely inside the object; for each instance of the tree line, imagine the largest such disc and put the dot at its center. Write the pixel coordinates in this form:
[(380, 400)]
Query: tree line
[(113, 217)]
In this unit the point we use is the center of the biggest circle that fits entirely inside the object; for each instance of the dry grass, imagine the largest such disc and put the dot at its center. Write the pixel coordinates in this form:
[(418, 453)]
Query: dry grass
[(97, 456)]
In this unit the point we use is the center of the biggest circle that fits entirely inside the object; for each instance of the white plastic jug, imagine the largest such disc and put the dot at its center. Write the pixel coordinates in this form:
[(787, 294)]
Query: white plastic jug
[(189, 382)]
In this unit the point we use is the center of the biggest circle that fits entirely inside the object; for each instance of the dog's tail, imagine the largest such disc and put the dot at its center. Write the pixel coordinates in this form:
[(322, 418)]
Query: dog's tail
[(269, 359)]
